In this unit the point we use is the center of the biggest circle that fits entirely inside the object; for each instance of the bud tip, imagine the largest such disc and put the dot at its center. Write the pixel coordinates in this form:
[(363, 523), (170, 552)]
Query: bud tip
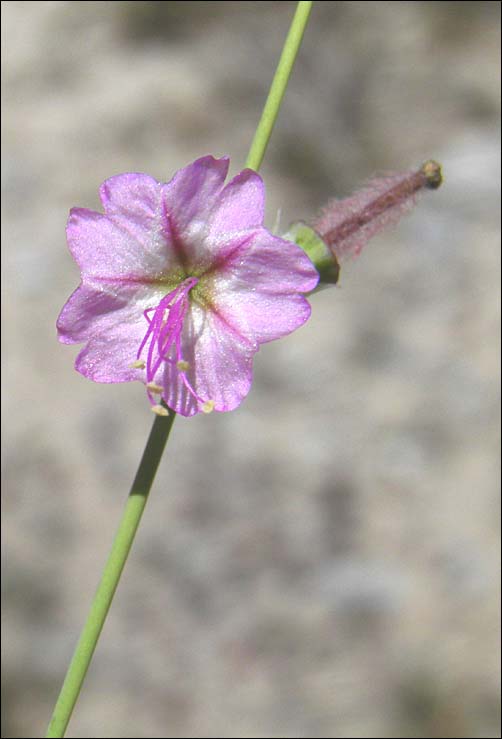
[(432, 173)]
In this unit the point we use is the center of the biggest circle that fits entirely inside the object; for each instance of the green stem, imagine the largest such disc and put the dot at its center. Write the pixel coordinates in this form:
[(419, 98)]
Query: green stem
[(111, 574), (279, 84), (160, 432)]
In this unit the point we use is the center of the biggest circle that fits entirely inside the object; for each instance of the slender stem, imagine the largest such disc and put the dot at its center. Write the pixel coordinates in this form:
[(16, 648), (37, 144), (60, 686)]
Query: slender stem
[(111, 574), (160, 432), (279, 84)]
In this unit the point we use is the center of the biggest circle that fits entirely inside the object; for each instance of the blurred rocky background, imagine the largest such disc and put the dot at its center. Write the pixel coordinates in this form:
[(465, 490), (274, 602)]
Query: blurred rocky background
[(323, 561)]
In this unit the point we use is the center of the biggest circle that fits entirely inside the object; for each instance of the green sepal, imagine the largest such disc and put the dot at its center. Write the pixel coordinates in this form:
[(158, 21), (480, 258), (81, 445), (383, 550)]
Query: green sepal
[(317, 251)]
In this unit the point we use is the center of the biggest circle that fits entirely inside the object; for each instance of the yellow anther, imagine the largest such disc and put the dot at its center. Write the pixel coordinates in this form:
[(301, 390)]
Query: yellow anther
[(138, 364), (208, 406), (154, 388), (182, 365), (160, 410)]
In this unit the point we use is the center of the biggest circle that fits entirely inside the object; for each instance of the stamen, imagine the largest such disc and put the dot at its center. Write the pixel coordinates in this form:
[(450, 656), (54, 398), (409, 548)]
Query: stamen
[(162, 338)]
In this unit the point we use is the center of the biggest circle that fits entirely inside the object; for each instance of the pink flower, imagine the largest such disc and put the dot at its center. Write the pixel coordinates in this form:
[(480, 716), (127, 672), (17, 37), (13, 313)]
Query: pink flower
[(180, 284)]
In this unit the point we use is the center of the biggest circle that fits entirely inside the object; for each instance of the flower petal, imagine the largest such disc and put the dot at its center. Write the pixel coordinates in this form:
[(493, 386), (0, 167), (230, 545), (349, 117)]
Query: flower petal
[(134, 203), (189, 198), (110, 318), (113, 325), (258, 289), (220, 365), (108, 356), (93, 307), (240, 206), (103, 248)]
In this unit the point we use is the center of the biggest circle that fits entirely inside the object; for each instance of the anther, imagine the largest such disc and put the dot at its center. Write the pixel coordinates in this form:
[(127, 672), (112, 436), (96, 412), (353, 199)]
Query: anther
[(138, 364), (154, 388), (159, 410), (183, 365), (208, 406)]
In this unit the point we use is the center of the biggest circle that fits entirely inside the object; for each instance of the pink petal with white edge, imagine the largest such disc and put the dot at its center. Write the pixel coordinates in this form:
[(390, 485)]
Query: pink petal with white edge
[(259, 288), (220, 365), (103, 249)]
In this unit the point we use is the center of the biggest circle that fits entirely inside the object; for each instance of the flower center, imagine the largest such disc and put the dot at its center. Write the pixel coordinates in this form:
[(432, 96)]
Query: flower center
[(162, 342)]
